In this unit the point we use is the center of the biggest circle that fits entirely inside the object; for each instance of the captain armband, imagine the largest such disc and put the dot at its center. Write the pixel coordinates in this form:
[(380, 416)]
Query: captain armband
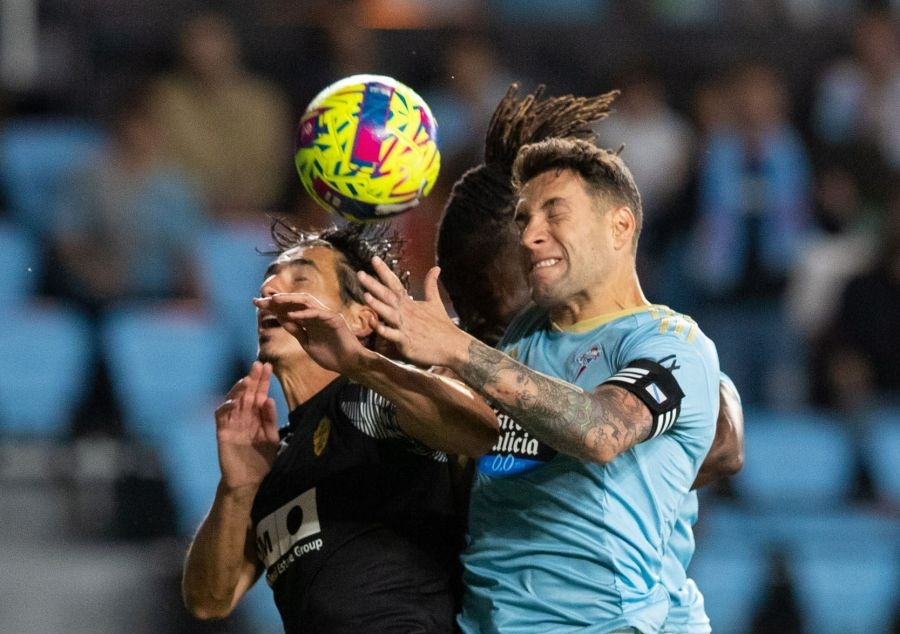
[(656, 387)]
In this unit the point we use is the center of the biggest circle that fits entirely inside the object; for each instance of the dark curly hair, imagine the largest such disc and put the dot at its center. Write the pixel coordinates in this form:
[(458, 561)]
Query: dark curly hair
[(357, 244), (476, 223)]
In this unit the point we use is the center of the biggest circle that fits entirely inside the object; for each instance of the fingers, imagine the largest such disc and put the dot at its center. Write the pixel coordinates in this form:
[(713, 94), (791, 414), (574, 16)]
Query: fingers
[(262, 387), (269, 416), (383, 310), (432, 292), (285, 302), (389, 334), (387, 276), (377, 290)]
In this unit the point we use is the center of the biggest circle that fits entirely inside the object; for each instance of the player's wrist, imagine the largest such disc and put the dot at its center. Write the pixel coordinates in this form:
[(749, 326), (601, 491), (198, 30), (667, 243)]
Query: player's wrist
[(240, 491), (456, 350)]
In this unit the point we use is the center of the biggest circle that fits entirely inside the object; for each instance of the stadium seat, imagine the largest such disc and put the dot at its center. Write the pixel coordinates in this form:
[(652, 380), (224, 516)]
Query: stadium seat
[(35, 158), (45, 354), (799, 461), (732, 578), (191, 465), (20, 265), (231, 271), (853, 589), (881, 449), (786, 529), (163, 361)]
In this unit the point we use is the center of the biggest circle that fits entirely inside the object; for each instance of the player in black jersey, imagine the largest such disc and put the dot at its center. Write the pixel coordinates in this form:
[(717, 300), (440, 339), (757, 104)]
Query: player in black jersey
[(347, 510)]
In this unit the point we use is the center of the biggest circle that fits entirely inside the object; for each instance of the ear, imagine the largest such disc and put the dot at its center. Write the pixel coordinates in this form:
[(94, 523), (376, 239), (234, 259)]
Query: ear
[(623, 227), (362, 321)]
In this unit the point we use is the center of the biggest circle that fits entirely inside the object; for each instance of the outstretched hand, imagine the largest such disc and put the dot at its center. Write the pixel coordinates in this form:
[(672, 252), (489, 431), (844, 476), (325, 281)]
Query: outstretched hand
[(247, 429), (421, 330), (322, 332)]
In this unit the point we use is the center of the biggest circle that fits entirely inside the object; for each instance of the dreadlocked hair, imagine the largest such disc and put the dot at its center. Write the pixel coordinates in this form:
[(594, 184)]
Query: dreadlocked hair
[(517, 122), (476, 224), (356, 243)]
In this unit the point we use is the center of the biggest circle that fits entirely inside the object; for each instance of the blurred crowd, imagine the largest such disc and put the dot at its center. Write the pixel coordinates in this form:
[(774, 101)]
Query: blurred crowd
[(764, 137)]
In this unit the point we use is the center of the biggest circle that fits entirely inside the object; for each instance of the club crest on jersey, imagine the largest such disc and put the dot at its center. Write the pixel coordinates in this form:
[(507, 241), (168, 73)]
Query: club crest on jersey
[(585, 359), (320, 436)]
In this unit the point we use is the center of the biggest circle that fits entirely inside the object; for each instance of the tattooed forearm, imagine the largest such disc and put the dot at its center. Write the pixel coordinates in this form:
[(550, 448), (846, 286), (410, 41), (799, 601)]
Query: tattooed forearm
[(590, 426)]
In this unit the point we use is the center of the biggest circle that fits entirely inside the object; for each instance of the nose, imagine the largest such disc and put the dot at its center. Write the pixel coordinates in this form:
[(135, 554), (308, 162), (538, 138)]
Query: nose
[(270, 286), (534, 233)]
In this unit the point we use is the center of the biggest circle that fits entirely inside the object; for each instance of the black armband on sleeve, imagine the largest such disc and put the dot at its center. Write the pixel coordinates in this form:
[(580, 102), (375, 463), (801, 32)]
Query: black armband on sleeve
[(656, 387)]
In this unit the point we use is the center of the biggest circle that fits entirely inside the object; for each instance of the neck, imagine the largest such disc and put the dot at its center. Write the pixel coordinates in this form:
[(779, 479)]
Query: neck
[(301, 379), (618, 293)]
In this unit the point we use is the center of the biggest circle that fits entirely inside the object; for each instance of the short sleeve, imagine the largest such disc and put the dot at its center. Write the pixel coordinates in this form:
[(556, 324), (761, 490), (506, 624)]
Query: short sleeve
[(694, 365), (376, 417)]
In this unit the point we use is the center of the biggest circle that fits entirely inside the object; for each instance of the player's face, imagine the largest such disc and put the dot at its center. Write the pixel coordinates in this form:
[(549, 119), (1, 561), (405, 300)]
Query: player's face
[(507, 276), (566, 237), (310, 270)]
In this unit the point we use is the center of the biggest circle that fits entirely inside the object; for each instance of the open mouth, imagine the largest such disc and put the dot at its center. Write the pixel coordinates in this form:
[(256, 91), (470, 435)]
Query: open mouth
[(543, 264), (268, 322)]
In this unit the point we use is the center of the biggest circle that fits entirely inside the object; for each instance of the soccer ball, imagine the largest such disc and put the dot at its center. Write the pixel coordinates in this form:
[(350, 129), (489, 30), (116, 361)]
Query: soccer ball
[(367, 148)]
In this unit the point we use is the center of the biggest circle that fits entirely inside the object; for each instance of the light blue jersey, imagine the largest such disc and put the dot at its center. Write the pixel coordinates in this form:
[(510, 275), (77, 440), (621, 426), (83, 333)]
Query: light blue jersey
[(687, 614), (557, 545)]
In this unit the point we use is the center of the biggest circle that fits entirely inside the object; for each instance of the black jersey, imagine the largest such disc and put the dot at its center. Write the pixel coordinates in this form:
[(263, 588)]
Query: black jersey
[(355, 521)]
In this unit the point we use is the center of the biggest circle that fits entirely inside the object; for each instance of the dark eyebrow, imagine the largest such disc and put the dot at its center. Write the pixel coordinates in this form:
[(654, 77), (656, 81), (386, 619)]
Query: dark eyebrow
[(551, 202), (274, 267)]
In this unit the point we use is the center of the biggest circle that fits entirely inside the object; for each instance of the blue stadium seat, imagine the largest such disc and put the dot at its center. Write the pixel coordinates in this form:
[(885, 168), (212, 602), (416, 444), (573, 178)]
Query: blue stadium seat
[(231, 271), (788, 529), (881, 450), (732, 578), (191, 465), (164, 360), (855, 589), (45, 354), (36, 156), (20, 265), (799, 460)]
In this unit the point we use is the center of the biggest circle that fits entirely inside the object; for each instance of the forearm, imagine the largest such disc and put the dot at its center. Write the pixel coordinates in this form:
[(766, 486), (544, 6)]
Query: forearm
[(591, 427), (218, 568), (726, 456), (442, 413)]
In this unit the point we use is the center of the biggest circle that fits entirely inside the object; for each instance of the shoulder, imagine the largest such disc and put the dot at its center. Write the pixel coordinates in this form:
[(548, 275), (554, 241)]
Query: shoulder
[(375, 416), (664, 335)]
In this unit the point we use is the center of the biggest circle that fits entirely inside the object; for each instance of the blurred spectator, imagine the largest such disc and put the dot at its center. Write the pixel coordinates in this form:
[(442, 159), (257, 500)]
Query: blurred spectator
[(753, 217), (229, 129), (472, 83), (659, 150), (127, 220), (659, 141), (862, 360), (859, 96), (843, 246), (754, 194)]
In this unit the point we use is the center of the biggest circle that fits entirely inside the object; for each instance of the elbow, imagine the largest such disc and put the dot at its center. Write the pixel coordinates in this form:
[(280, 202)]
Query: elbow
[(206, 609), (601, 456), (732, 464)]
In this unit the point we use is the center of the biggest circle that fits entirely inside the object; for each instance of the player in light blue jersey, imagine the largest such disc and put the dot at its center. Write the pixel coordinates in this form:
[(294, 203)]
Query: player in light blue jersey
[(477, 235), (573, 537)]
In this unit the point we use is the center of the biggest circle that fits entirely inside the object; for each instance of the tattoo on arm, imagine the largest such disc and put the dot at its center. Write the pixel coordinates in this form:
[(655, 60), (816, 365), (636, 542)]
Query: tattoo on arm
[(585, 425)]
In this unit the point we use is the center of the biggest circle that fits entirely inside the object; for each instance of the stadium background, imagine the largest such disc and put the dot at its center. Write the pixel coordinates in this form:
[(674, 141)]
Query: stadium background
[(107, 457)]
